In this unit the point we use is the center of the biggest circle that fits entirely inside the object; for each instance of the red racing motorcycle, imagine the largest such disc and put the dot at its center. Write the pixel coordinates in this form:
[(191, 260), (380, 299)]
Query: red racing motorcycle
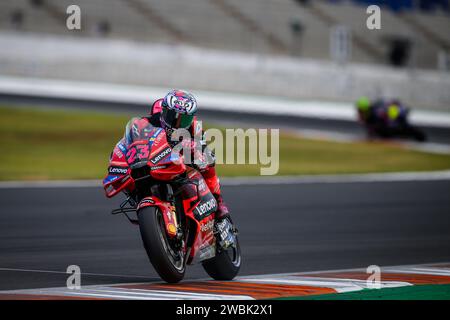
[(172, 204)]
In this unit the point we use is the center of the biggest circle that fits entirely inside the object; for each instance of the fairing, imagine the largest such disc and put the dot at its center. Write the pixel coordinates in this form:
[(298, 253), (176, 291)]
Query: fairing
[(145, 145), (142, 145)]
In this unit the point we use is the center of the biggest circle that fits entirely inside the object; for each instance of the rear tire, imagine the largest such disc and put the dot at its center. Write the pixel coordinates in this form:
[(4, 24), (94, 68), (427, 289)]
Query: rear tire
[(225, 265), (163, 258)]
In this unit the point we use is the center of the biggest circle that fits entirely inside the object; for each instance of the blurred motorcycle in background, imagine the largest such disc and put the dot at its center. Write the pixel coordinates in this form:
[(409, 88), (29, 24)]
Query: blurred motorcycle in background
[(387, 120)]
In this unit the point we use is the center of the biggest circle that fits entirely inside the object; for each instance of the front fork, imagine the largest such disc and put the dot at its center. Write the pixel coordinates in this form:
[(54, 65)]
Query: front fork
[(168, 213)]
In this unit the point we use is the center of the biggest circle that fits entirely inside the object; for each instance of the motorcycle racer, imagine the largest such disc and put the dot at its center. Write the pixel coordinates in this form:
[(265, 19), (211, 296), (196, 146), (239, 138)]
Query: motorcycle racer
[(177, 111), (178, 203)]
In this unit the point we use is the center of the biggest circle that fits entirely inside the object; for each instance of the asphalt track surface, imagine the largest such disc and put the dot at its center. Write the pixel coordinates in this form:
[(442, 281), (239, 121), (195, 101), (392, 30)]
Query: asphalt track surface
[(283, 228), (434, 134)]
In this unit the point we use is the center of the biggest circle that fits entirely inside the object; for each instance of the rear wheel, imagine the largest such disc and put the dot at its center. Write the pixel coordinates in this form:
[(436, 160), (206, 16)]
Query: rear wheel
[(167, 260), (226, 264)]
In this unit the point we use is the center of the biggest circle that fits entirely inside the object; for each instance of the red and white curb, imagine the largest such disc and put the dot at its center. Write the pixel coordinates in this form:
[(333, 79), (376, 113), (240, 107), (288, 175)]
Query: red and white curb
[(249, 287)]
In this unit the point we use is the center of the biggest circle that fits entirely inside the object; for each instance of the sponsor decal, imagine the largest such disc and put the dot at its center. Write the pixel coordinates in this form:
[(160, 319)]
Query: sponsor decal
[(192, 174), (144, 202), (157, 167), (207, 226), (201, 185), (172, 229), (207, 252), (118, 170), (161, 155), (156, 133), (110, 179), (154, 136), (148, 201), (158, 139), (135, 130), (118, 153), (122, 147), (206, 207)]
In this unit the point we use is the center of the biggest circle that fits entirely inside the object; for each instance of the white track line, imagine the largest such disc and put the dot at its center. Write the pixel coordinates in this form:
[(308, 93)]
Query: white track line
[(62, 272), (123, 293), (194, 294), (275, 180), (418, 270), (103, 295), (149, 294)]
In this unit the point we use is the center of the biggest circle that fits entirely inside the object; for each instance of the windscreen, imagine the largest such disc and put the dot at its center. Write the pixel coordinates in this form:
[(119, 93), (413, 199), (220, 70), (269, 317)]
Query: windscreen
[(139, 129)]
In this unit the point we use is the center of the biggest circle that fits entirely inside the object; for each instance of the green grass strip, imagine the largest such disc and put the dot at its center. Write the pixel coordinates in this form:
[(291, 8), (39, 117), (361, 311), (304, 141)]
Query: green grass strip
[(39, 144), (418, 292)]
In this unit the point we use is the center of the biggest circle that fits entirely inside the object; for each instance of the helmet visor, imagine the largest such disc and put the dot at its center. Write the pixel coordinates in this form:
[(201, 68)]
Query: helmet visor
[(177, 120)]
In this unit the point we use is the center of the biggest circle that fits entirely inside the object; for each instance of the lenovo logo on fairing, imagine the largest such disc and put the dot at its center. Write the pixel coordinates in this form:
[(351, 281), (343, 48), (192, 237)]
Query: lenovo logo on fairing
[(160, 156), (205, 207), (118, 170)]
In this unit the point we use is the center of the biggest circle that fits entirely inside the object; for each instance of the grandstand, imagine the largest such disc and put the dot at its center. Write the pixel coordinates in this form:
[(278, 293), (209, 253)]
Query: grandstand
[(296, 49), (287, 27)]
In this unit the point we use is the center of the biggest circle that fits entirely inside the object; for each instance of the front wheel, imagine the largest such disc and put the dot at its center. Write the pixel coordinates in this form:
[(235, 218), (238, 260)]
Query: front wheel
[(226, 264), (168, 261)]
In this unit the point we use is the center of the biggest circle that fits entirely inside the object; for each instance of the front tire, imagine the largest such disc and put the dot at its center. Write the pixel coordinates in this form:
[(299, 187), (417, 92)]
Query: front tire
[(225, 265), (168, 263)]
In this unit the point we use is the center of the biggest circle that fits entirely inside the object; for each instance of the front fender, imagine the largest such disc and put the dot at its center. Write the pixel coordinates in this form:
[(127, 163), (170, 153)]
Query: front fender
[(167, 210)]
